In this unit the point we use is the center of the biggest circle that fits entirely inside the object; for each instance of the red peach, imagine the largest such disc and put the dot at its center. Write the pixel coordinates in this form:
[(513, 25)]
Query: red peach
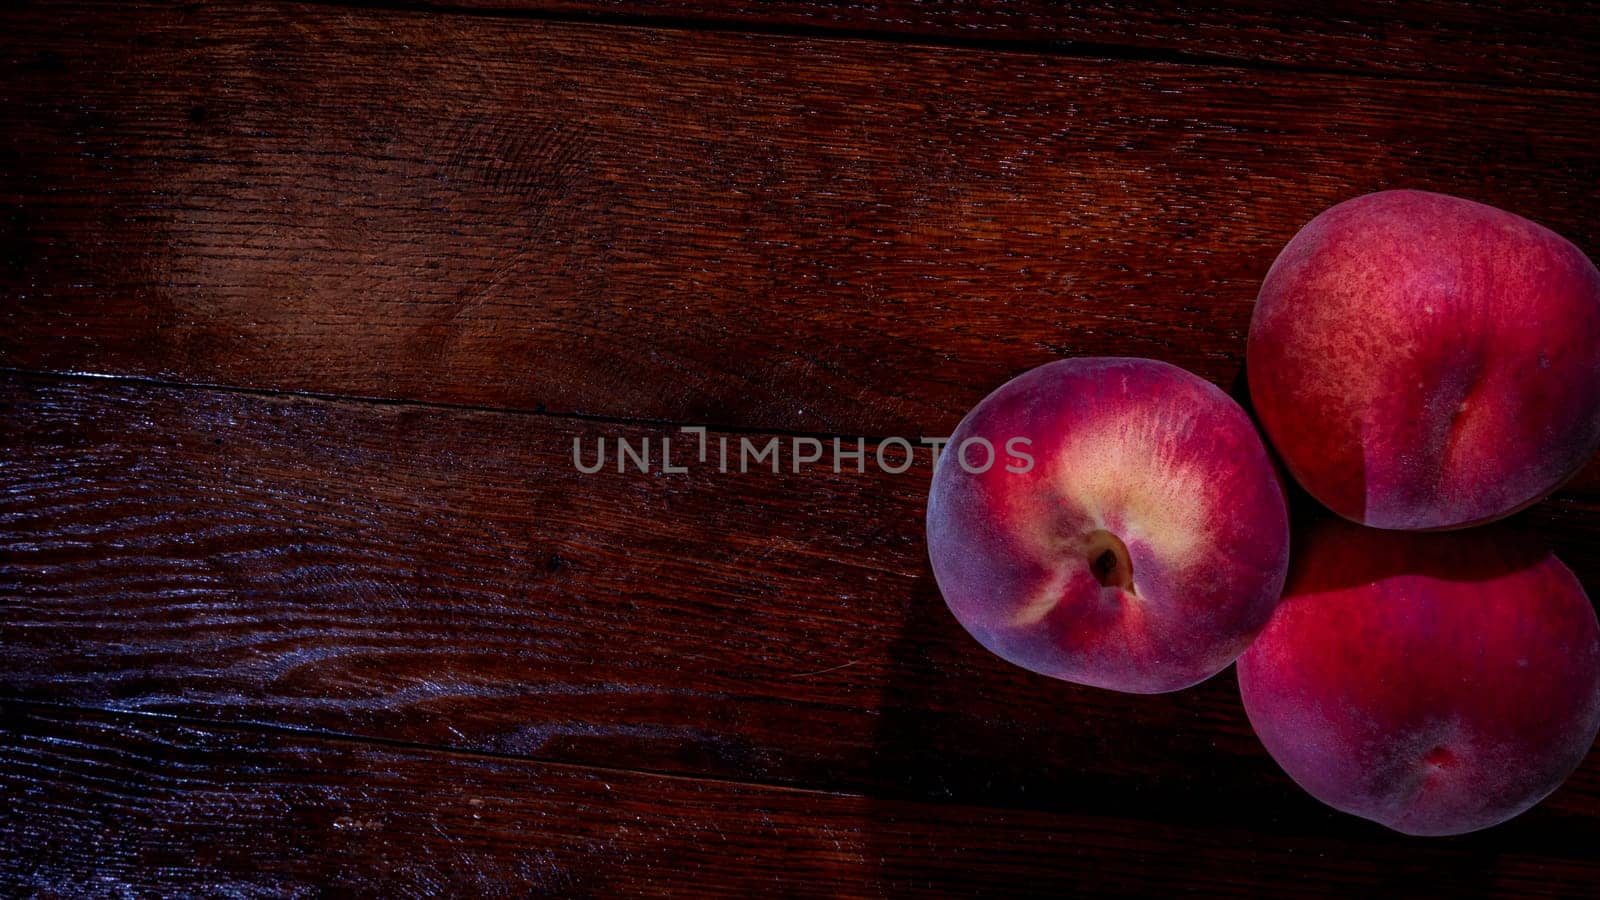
[(1425, 362), (1434, 683), (1142, 548)]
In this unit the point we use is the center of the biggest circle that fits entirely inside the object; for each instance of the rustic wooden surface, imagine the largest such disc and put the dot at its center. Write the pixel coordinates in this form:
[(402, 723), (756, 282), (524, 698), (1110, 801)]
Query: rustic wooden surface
[(747, 230), (305, 306)]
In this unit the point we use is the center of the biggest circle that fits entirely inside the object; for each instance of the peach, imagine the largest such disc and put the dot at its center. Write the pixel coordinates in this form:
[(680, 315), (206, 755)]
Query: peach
[(1129, 532), (1435, 683), (1426, 362)]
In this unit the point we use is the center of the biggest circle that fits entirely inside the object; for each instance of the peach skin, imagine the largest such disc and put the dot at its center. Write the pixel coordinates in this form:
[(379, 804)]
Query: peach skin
[(1142, 547), (1435, 683), (1426, 362)]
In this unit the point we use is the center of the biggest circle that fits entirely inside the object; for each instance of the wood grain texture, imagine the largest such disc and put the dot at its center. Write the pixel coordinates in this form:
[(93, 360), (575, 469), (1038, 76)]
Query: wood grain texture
[(1546, 44), (746, 230), (119, 806), (448, 577)]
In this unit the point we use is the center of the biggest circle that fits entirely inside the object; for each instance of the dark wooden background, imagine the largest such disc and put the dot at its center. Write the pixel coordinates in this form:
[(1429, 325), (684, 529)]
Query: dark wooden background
[(306, 303)]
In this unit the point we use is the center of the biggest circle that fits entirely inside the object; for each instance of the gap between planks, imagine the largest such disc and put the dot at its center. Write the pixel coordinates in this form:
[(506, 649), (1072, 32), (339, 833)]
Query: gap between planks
[(718, 23), (1576, 491)]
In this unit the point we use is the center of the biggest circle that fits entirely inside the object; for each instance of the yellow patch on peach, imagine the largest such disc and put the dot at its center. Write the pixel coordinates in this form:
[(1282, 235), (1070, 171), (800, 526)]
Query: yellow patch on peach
[(1125, 477), (1121, 477), (1035, 608)]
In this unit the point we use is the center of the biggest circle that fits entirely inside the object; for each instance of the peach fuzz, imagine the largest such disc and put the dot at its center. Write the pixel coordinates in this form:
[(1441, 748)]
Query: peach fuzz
[(1434, 683), (1143, 548), (1422, 361)]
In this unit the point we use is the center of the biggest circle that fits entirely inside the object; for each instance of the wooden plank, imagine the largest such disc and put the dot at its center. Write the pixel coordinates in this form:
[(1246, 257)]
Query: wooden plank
[(136, 806), (448, 577), (746, 230), (1545, 44)]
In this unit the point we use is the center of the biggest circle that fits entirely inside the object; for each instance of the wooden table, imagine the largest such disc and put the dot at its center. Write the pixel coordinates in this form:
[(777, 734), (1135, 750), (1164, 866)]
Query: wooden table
[(305, 305)]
